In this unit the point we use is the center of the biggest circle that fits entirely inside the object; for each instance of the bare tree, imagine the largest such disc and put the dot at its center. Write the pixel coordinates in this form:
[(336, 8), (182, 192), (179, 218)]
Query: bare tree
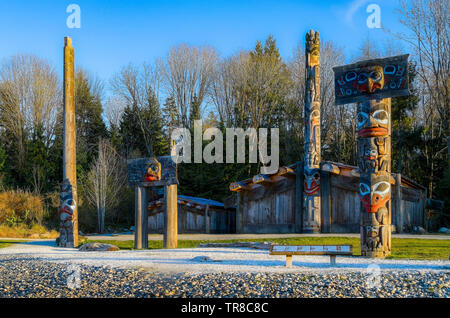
[(105, 181), (114, 108), (137, 87), (29, 98), (428, 24), (188, 72)]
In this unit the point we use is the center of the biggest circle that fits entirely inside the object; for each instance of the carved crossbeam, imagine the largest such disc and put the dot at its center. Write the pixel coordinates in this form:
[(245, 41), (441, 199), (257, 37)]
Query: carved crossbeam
[(239, 187), (263, 179)]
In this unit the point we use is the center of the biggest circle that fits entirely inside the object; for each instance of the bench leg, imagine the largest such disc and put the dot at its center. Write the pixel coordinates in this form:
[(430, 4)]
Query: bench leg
[(333, 260), (288, 260)]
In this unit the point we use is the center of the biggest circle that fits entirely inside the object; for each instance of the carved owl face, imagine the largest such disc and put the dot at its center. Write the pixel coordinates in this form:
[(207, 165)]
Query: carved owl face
[(312, 181), (372, 231), (374, 122), (153, 171), (370, 79), (376, 196)]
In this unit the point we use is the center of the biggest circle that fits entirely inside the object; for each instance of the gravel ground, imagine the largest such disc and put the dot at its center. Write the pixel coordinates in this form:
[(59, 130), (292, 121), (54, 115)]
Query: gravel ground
[(39, 269), (24, 277)]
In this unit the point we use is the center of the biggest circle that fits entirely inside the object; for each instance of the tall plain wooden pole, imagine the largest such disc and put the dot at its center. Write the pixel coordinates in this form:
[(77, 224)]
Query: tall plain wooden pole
[(141, 219), (171, 209), (69, 225), (170, 216)]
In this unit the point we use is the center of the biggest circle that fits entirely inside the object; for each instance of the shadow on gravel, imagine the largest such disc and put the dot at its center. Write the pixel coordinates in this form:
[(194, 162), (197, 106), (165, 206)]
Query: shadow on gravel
[(100, 261), (51, 243)]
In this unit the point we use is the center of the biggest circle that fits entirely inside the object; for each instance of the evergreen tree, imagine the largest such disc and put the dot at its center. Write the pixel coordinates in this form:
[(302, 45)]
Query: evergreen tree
[(89, 121)]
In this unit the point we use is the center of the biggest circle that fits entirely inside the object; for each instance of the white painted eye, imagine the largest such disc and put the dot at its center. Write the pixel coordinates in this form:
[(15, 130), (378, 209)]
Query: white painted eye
[(376, 76), (381, 116), (382, 188), (361, 119), (364, 189)]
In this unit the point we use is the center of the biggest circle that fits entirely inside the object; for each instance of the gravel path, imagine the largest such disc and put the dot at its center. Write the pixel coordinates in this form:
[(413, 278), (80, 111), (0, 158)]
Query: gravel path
[(31, 270), (21, 277)]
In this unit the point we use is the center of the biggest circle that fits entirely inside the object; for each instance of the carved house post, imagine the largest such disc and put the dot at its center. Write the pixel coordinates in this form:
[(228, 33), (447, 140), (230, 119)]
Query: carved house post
[(371, 84)]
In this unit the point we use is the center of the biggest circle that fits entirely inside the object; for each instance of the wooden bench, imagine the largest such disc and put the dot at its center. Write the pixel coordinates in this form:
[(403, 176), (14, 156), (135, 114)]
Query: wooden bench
[(331, 250)]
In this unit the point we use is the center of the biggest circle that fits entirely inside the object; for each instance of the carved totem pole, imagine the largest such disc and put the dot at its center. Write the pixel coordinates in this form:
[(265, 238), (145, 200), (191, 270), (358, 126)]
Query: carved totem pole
[(311, 218), (371, 84), (68, 212)]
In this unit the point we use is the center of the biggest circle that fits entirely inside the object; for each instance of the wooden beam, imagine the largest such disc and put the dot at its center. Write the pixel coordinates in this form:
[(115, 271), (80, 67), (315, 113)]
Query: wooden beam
[(330, 167), (238, 187), (263, 179), (141, 219), (285, 171), (171, 217)]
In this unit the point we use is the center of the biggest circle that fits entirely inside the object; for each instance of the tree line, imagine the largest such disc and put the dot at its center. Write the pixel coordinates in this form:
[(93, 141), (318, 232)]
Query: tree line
[(254, 88)]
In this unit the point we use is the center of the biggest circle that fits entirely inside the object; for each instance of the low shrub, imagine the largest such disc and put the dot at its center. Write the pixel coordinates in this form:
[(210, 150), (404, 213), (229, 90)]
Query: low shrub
[(20, 207)]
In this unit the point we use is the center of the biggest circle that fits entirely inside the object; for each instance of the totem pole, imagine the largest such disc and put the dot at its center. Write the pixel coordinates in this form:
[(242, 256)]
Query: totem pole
[(68, 212), (371, 84), (311, 218)]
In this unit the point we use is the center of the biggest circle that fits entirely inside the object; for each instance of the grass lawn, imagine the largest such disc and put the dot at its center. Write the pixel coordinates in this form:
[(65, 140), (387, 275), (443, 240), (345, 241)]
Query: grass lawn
[(7, 243), (420, 249)]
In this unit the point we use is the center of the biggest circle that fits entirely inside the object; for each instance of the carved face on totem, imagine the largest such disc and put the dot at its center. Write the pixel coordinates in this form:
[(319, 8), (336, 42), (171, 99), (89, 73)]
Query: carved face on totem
[(66, 211), (375, 194), (372, 121), (375, 197), (312, 46), (312, 181), (370, 79), (311, 155), (153, 171)]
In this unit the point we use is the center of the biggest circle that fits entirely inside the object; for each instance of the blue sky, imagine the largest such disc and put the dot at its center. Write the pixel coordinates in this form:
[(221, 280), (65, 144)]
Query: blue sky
[(114, 33)]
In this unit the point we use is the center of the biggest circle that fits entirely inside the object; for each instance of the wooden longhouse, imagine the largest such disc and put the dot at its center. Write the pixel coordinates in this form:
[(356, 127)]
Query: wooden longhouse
[(273, 203), (195, 215)]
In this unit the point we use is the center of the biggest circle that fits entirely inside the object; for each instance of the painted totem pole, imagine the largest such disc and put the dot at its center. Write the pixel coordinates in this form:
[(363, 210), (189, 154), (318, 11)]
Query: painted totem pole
[(371, 84), (311, 218), (68, 212)]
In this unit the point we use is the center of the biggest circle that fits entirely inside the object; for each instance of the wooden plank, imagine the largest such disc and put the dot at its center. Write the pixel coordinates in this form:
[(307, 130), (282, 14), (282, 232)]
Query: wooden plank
[(325, 197), (311, 250), (207, 220), (299, 197), (398, 208)]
